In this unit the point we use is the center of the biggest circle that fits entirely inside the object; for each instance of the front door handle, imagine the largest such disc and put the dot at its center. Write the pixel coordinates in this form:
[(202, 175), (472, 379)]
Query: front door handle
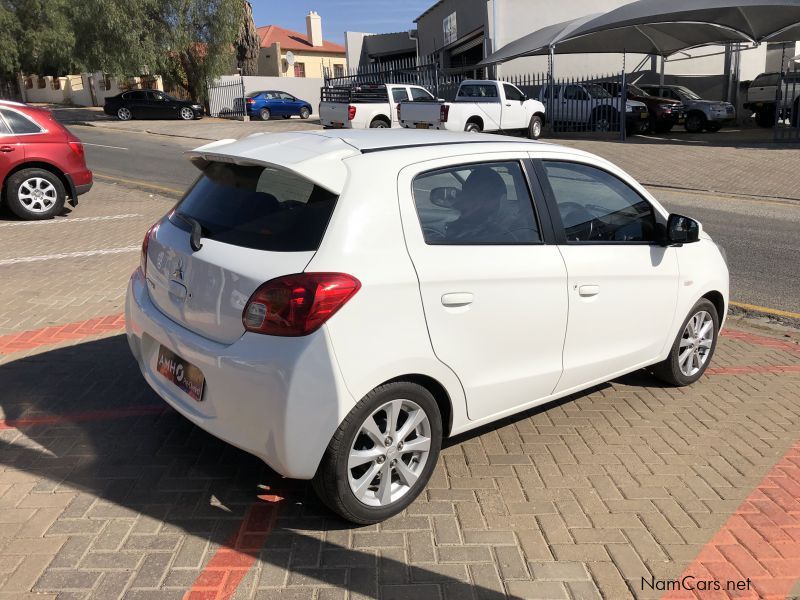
[(6, 148), (588, 291), (457, 300)]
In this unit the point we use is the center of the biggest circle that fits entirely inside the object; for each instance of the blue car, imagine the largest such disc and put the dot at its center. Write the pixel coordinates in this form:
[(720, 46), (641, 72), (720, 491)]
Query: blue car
[(273, 103)]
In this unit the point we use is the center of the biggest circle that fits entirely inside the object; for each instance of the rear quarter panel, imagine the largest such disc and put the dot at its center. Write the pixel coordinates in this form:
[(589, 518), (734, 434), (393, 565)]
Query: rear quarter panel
[(381, 333)]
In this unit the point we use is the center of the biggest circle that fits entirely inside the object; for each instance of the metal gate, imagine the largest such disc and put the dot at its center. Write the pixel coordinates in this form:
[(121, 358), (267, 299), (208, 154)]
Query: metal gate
[(787, 102), (227, 99)]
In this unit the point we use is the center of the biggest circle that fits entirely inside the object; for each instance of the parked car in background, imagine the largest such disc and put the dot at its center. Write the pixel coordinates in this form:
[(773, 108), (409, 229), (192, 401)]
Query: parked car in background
[(274, 103), (479, 105), (769, 103), (591, 106), (664, 112), (42, 164), (369, 106), (709, 115), (150, 104), (338, 303)]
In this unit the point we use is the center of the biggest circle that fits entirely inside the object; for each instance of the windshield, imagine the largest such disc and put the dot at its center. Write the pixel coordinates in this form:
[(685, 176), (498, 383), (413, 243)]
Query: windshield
[(637, 91), (687, 93), (596, 91), (258, 207)]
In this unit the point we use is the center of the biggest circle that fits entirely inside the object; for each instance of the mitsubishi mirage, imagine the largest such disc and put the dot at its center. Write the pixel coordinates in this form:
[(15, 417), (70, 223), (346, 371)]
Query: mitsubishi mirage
[(338, 303)]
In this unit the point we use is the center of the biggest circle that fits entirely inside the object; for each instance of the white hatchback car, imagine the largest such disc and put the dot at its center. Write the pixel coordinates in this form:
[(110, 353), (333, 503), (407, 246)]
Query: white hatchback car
[(338, 303)]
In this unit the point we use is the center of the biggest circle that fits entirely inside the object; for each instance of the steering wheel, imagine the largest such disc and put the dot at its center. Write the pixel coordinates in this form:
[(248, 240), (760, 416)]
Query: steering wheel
[(581, 216)]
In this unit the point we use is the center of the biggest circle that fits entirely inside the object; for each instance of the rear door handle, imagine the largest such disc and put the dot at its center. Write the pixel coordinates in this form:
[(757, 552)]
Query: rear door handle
[(6, 148), (457, 300), (589, 290)]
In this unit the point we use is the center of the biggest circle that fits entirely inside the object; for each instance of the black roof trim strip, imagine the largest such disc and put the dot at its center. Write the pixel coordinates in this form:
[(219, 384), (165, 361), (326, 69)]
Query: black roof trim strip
[(405, 146)]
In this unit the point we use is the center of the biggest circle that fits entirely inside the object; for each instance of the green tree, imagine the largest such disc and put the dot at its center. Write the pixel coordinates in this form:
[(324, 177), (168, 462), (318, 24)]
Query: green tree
[(9, 31), (43, 39)]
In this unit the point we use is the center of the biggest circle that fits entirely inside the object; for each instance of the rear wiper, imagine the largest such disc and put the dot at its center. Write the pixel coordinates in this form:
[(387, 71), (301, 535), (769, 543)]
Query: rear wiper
[(197, 231)]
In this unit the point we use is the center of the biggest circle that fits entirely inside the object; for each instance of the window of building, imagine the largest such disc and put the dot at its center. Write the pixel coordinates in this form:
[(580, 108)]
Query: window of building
[(596, 206), (476, 204), (299, 69)]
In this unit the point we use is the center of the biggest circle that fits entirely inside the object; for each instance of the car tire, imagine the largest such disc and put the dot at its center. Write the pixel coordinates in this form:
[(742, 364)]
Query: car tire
[(24, 201), (305, 113), (535, 128), (264, 114), (473, 127), (603, 120), (695, 122), (379, 124), (338, 480), (765, 117), (186, 114), (124, 113), (682, 370)]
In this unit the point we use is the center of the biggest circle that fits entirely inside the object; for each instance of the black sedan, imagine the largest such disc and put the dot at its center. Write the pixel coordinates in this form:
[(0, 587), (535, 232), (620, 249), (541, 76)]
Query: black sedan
[(150, 104)]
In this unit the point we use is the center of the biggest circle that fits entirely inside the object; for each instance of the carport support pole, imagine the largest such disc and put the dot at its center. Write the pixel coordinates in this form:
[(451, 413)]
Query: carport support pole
[(663, 68), (623, 102), (550, 117)]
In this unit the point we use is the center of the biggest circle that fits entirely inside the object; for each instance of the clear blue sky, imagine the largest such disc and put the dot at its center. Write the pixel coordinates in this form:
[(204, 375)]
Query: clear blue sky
[(338, 16)]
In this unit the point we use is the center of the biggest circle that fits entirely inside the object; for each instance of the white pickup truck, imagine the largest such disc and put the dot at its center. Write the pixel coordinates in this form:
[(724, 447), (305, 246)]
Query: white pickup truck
[(480, 105), (368, 106)]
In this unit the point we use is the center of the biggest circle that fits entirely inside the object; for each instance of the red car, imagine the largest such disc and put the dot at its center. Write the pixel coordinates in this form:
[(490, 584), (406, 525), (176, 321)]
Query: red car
[(41, 163)]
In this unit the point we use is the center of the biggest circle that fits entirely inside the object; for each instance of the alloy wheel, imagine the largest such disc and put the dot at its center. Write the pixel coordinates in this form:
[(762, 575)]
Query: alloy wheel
[(187, 114), (37, 194), (696, 343), (389, 453), (124, 114)]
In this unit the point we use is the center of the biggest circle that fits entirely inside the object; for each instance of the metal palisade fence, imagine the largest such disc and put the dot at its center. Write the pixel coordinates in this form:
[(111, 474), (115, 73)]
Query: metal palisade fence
[(571, 105), (787, 126), (227, 99)]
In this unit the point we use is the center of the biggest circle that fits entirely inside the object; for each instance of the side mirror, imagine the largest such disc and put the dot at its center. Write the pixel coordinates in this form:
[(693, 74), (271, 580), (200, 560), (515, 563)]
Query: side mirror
[(524, 97), (682, 230), (444, 197)]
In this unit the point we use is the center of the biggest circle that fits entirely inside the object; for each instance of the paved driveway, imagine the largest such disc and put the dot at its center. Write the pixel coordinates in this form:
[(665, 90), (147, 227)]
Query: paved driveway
[(105, 492)]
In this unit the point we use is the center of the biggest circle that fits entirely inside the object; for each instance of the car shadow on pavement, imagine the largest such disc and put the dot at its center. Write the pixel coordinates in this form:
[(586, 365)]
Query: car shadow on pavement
[(82, 419)]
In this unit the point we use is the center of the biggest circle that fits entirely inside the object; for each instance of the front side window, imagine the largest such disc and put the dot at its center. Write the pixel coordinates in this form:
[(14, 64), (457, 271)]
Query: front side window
[(596, 206), (767, 80), (399, 94), (476, 204), (420, 95), (512, 93), (258, 207), (19, 124)]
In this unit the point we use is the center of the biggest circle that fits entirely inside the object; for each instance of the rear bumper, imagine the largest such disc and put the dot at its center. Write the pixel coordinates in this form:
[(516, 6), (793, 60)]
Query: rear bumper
[(280, 399)]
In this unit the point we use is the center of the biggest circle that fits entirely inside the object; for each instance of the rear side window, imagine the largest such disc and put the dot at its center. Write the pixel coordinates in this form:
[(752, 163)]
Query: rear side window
[(20, 124), (420, 95), (476, 204), (766, 80), (258, 207), (478, 90), (4, 130), (399, 94)]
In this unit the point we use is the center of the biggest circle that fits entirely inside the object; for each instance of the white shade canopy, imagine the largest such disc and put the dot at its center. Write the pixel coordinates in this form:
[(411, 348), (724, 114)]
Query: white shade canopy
[(662, 28)]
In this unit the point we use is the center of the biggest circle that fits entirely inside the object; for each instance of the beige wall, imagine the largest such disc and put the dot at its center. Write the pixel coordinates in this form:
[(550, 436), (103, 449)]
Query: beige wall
[(73, 89), (313, 62)]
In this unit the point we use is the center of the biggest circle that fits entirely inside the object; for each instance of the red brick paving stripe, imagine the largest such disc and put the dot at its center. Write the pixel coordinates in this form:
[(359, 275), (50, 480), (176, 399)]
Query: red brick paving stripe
[(57, 334), (761, 340), (751, 369), (760, 541), (232, 561), (94, 415)]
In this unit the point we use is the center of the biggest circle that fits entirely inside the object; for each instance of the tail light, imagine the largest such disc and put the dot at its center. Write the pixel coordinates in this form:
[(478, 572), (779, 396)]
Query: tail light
[(77, 148), (398, 112), (444, 112), (251, 101), (351, 112), (145, 243), (296, 305)]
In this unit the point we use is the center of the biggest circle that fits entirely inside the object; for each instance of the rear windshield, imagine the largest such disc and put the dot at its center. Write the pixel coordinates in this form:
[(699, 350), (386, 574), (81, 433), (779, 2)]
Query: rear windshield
[(258, 207)]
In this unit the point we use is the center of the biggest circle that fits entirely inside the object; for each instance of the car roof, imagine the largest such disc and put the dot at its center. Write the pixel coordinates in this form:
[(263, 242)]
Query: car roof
[(318, 155), (13, 103)]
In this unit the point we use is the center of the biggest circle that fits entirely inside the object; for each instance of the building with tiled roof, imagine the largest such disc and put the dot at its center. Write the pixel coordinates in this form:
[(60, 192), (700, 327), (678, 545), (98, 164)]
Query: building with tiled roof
[(288, 53)]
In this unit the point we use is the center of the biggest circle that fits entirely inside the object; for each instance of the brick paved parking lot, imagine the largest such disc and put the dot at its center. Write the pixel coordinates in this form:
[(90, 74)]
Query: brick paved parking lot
[(105, 492)]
